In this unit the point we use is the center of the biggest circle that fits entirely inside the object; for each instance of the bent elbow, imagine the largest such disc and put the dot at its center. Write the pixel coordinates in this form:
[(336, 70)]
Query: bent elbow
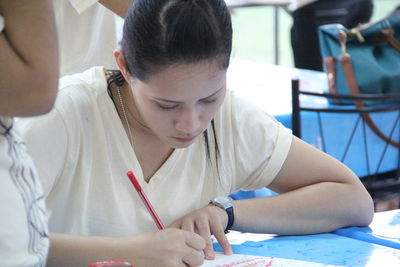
[(41, 97), (367, 214), (364, 208), (44, 103), (44, 106)]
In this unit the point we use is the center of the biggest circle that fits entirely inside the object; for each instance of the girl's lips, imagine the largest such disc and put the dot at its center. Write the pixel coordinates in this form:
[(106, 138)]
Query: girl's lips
[(185, 140)]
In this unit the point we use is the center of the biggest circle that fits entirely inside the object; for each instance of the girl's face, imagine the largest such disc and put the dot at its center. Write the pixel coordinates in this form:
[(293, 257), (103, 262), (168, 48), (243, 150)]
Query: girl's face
[(178, 103)]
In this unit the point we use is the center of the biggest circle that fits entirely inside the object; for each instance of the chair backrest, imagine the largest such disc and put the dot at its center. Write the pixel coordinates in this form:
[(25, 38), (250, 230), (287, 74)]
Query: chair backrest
[(365, 138)]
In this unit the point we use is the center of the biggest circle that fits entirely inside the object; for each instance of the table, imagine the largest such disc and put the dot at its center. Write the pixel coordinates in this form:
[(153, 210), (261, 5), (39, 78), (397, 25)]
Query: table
[(276, 4), (322, 248), (357, 248), (384, 230)]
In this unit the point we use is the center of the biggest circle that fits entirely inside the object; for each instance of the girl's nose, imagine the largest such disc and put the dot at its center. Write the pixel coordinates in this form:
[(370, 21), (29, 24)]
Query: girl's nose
[(188, 123)]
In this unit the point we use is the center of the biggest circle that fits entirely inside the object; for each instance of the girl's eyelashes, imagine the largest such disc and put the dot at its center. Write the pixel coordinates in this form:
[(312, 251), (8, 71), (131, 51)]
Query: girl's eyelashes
[(166, 107), (170, 107), (209, 101)]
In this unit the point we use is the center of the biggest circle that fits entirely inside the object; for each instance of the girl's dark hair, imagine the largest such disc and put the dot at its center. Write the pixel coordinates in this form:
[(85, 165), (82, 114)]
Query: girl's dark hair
[(161, 33)]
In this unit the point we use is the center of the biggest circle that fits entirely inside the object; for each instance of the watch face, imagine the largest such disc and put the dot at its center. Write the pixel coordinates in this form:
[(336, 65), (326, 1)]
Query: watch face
[(223, 202)]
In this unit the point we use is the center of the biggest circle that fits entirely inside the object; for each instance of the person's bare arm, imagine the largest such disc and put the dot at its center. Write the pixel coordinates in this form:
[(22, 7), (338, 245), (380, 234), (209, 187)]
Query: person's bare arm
[(119, 7), (317, 194), (28, 59), (169, 247)]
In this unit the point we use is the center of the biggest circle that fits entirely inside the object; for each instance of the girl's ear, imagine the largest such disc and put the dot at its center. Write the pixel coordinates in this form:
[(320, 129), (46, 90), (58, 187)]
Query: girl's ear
[(119, 58)]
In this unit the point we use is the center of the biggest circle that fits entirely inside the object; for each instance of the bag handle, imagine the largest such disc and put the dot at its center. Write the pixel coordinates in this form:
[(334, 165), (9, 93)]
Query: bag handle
[(355, 90), (388, 35)]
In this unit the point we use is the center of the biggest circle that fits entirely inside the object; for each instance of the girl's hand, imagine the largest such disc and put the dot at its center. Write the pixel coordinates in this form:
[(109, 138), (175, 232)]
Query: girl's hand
[(169, 247), (207, 221)]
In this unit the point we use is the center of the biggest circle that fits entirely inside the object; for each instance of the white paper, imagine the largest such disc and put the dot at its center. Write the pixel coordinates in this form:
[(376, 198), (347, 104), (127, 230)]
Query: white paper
[(238, 260), (237, 238)]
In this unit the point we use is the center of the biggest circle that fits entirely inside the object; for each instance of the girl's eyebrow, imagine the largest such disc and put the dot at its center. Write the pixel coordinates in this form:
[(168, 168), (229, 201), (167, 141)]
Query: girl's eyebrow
[(178, 102)]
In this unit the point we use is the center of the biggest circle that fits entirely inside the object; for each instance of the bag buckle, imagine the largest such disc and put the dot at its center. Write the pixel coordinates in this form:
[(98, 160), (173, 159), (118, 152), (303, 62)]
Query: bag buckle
[(342, 40), (357, 33)]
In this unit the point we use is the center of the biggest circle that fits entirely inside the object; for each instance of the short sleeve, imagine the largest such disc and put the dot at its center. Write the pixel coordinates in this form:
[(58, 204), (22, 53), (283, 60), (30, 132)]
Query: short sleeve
[(260, 145), (47, 142)]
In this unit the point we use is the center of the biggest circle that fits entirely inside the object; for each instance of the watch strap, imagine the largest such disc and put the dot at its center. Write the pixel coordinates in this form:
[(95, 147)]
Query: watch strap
[(229, 211), (231, 218)]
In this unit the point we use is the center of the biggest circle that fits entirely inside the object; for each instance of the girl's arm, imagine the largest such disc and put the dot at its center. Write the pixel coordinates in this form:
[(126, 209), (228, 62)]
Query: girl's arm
[(317, 194), (170, 247)]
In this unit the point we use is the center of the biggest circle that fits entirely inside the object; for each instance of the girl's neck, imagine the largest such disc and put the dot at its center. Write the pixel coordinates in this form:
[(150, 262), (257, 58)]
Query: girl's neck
[(132, 112), (150, 151)]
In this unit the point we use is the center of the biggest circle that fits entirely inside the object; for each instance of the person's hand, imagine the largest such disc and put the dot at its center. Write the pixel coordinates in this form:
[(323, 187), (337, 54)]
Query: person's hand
[(169, 247), (207, 221)]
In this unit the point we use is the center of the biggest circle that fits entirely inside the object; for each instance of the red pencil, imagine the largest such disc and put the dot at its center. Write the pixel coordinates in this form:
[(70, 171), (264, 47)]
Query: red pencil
[(145, 200)]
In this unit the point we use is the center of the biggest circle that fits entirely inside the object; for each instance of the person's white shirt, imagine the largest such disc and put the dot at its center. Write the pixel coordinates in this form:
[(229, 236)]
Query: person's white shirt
[(83, 153), (87, 35), (24, 237), (296, 4)]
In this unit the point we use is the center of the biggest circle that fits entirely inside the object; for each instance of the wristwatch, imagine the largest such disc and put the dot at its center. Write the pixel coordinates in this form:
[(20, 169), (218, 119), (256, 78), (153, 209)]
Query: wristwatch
[(225, 203)]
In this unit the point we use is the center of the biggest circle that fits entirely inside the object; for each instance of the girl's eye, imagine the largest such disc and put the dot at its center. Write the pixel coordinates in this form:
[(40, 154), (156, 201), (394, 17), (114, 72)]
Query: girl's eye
[(170, 107), (209, 101), (166, 107)]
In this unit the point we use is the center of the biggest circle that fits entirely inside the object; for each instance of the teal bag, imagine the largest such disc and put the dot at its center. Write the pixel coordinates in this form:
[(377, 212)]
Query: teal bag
[(362, 60)]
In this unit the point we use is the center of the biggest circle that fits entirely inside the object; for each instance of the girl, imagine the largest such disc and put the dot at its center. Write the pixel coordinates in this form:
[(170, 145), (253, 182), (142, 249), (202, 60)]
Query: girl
[(167, 115)]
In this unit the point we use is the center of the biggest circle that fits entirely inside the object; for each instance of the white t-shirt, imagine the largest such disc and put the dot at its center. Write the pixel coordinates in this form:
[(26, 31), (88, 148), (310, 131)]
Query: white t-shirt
[(86, 155), (86, 33), (298, 4), (23, 226)]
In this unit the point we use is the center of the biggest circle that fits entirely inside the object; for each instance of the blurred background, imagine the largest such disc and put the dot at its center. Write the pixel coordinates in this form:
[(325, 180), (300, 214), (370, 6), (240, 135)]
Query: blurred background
[(253, 37), (253, 31)]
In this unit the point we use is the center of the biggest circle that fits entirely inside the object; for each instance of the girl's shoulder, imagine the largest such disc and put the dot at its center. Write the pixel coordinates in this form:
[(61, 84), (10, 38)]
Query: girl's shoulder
[(91, 81), (237, 109), (81, 89)]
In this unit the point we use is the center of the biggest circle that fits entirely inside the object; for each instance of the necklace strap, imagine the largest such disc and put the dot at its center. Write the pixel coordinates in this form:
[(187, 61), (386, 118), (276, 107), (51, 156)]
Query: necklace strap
[(124, 114)]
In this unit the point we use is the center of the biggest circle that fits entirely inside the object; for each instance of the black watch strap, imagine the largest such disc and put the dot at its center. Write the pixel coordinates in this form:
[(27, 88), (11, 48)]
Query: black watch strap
[(231, 218)]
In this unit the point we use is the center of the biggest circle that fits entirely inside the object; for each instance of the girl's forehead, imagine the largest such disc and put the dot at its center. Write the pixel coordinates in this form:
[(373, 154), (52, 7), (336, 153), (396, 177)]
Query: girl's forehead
[(201, 69), (203, 72), (195, 80)]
